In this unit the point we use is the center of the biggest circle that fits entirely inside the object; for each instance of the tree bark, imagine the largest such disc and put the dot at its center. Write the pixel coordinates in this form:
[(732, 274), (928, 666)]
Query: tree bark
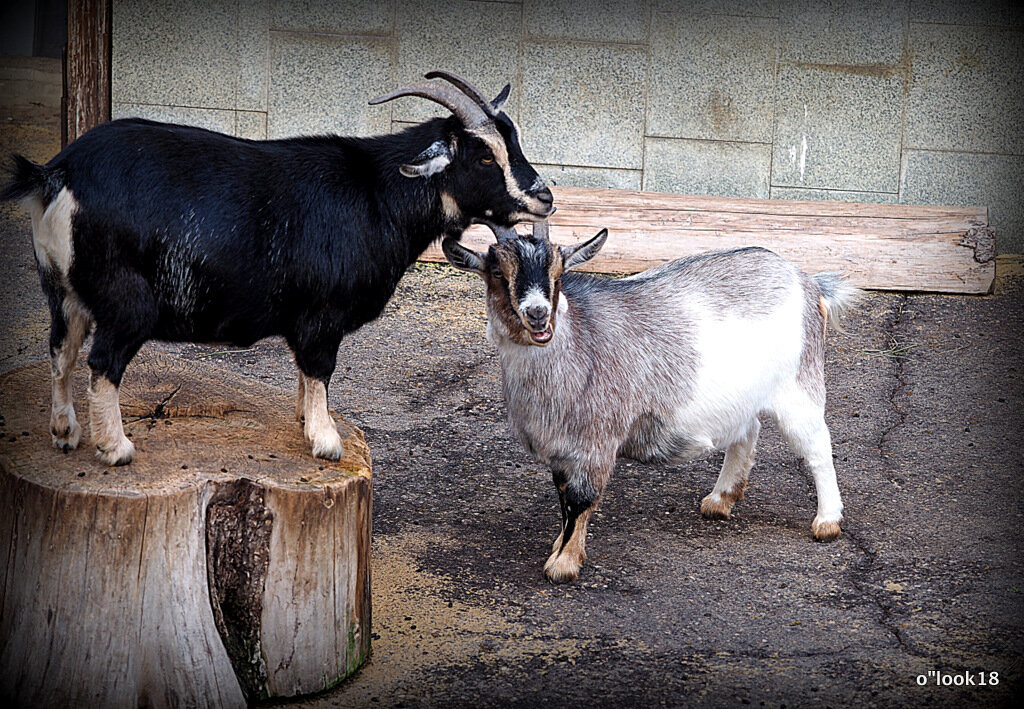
[(224, 564)]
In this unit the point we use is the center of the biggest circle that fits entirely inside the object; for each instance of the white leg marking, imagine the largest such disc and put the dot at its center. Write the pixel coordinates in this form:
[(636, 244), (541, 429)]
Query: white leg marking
[(64, 427), (732, 480), (320, 428), (803, 424), (112, 446), (563, 566)]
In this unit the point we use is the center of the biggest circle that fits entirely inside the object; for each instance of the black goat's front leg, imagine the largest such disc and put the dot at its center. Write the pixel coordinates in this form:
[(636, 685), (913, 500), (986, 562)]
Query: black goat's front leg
[(315, 357), (578, 494), (124, 321)]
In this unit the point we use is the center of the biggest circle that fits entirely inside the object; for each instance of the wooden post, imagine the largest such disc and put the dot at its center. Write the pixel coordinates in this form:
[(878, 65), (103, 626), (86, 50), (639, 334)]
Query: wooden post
[(87, 67), (225, 564)]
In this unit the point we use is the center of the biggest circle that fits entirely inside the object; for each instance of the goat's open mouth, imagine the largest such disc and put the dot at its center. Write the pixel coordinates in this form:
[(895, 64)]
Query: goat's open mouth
[(541, 338)]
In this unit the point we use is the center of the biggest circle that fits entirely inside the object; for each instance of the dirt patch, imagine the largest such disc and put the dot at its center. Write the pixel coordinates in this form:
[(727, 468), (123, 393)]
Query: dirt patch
[(425, 627)]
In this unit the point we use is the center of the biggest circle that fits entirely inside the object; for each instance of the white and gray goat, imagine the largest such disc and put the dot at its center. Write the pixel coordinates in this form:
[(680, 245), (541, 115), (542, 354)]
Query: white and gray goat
[(662, 366)]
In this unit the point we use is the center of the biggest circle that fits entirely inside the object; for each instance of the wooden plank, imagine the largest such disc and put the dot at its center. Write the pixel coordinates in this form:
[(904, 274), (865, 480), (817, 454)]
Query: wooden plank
[(582, 206), (938, 264), (662, 220), (87, 100), (572, 197), (878, 246)]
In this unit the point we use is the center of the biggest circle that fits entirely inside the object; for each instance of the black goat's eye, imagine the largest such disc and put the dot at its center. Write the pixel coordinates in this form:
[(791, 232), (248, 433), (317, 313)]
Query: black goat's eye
[(487, 160)]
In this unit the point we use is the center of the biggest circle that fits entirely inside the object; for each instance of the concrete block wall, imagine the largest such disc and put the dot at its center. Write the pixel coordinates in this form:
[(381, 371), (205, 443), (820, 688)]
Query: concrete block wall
[(900, 101)]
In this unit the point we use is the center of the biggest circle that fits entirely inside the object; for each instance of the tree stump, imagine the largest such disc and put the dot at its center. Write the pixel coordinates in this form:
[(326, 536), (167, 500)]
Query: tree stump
[(224, 564)]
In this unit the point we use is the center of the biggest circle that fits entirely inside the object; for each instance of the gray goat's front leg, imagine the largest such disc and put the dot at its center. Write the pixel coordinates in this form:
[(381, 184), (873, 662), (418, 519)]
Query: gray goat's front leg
[(578, 494)]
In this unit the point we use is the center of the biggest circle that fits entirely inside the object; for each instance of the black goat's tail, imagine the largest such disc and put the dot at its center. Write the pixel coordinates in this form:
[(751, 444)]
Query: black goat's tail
[(29, 179)]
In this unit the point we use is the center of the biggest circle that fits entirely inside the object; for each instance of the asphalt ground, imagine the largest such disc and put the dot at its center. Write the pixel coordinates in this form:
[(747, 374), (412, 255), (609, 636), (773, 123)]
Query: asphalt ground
[(925, 400)]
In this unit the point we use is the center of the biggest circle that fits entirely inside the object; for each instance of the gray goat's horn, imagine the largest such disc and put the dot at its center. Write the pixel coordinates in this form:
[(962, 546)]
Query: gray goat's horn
[(471, 115), (502, 233), (465, 87), (541, 229)]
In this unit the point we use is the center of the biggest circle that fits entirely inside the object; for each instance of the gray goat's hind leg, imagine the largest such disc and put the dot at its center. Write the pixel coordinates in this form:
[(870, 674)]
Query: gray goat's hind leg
[(732, 480)]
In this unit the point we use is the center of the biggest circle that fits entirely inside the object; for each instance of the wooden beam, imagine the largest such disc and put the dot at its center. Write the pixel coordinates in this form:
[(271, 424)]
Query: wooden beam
[(87, 98), (879, 246)]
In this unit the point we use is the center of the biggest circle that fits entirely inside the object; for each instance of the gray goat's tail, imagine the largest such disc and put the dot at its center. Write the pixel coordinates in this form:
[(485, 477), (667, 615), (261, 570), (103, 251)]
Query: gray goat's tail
[(838, 294)]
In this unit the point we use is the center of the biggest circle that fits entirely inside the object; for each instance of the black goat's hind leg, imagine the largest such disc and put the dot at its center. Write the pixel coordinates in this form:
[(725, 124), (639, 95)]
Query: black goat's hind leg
[(69, 325)]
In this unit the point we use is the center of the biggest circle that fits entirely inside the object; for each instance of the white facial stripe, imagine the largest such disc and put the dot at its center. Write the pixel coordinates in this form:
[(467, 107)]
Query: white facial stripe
[(534, 296), (490, 135)]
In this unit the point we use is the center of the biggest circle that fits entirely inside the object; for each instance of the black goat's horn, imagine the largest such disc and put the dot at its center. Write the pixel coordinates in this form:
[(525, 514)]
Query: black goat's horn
[(465, 87), (471, 115)]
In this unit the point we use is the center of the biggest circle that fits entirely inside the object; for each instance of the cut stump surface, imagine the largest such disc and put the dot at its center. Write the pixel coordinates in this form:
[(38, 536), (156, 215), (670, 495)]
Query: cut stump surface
[(224, 563)]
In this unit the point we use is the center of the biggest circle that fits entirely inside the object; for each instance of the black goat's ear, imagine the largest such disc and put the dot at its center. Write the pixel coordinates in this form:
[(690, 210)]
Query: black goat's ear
[(462, 258), (578, 254), (501, 98), (430, 162)]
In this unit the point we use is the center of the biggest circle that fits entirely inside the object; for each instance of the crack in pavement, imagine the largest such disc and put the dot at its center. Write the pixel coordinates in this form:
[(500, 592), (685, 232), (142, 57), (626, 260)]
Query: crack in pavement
[(870, 556), (899, 356)]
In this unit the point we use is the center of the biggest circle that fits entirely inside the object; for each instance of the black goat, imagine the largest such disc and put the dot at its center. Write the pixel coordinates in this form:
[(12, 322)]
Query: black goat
[(155, 231)]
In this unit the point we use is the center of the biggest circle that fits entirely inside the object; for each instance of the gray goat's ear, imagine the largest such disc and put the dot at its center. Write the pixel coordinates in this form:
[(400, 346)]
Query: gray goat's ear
[(430, 162), (578, 254), (462, 258), (501, 98)]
